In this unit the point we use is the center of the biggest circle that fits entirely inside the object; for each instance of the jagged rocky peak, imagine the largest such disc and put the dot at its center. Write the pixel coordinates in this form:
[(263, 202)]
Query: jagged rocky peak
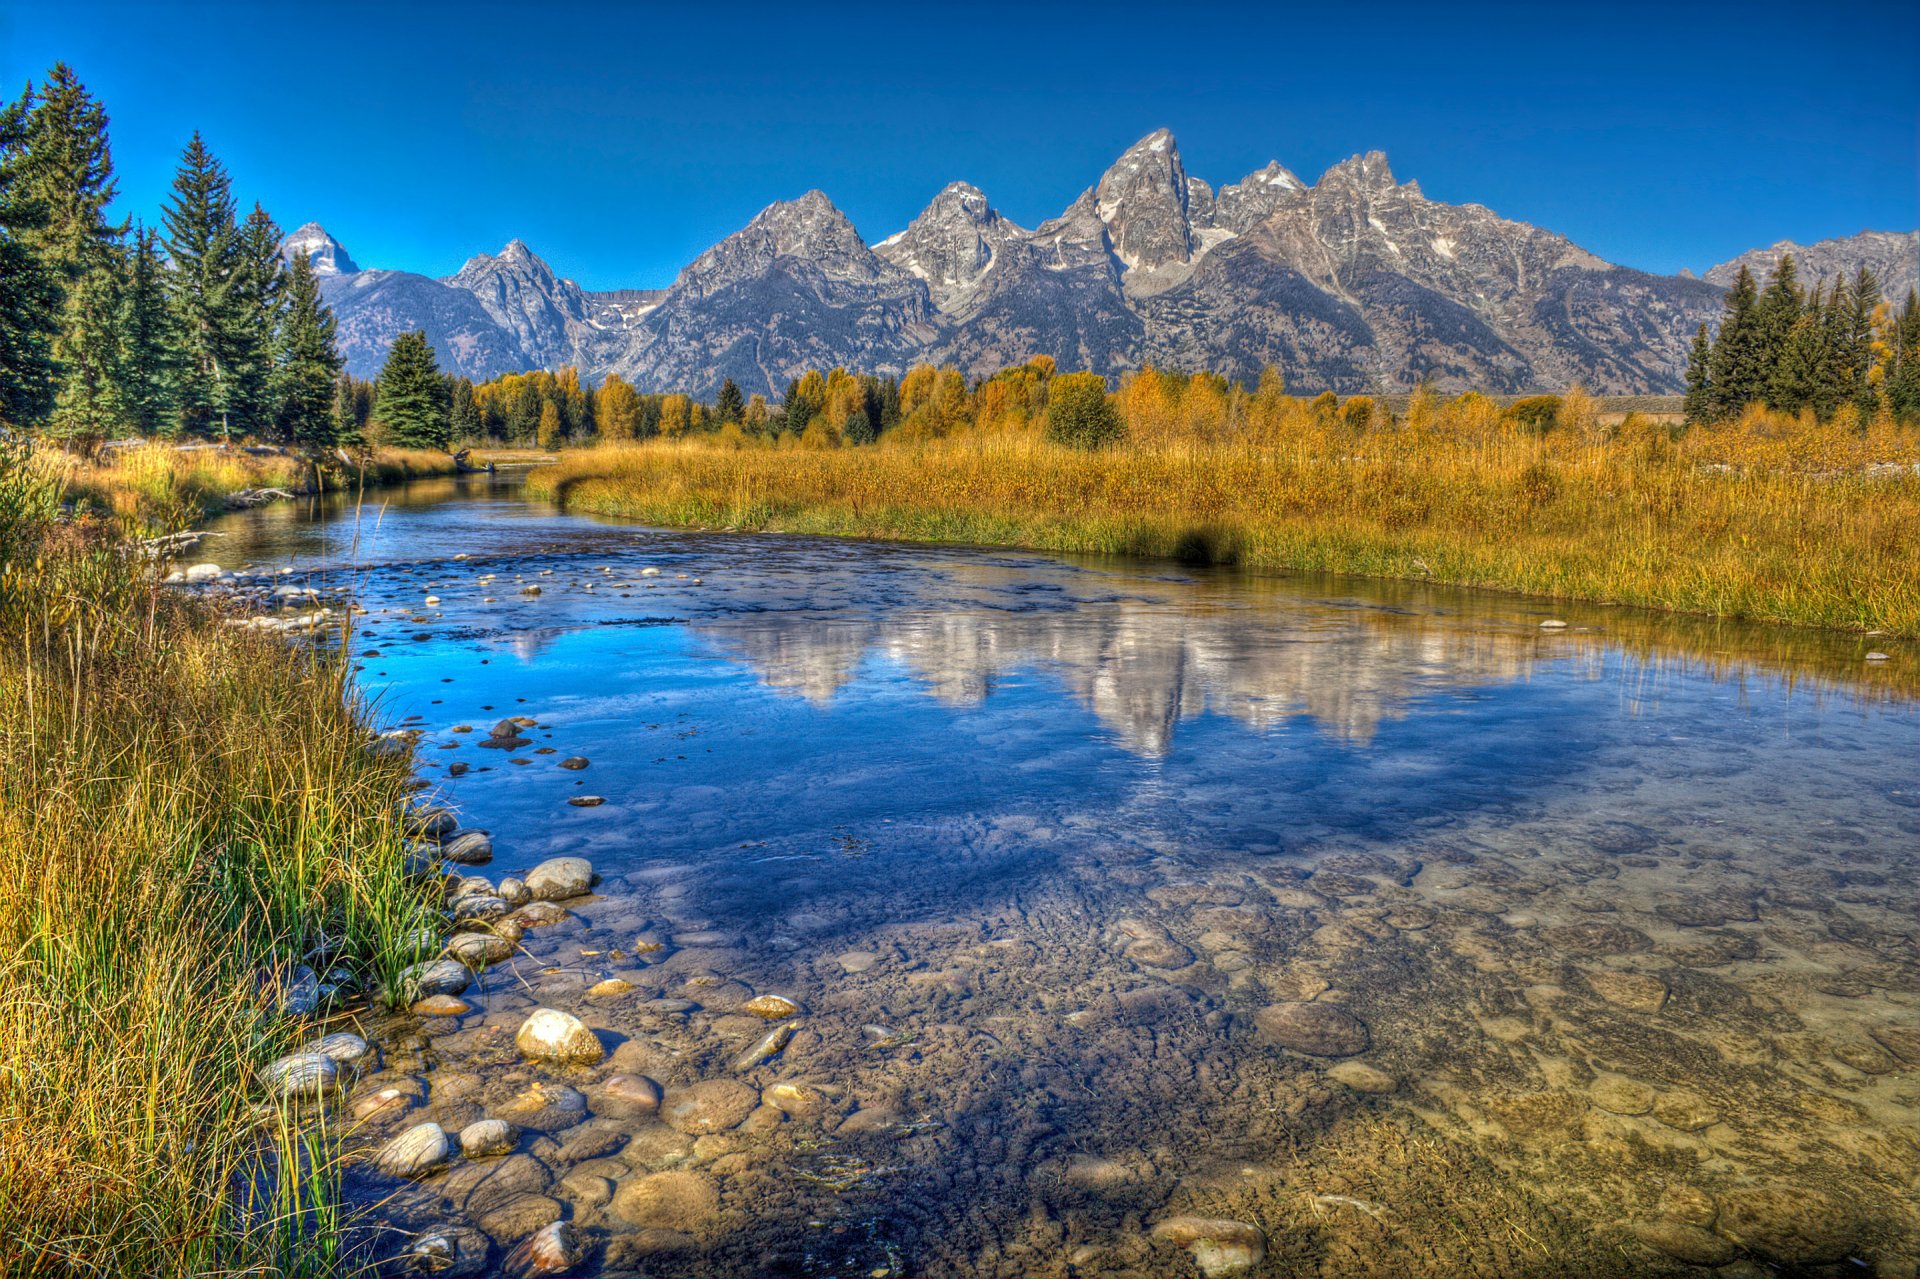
[(1369, 172), (952, 243), (809, 230), (1245, 204), (514, 259), (1143, 199), (328, 255)]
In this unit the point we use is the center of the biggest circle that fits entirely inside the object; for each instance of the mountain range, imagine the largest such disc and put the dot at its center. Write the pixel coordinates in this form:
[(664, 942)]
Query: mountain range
[(1356, 282)]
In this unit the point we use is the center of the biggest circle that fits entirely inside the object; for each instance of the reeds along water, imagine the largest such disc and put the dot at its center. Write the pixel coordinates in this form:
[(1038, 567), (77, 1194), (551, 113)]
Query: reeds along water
[(188, 811), (1770, 518)]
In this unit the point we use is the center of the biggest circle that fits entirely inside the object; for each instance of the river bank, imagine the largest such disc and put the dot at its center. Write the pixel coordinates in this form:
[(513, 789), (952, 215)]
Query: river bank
[(202, 861), (1804, 531)]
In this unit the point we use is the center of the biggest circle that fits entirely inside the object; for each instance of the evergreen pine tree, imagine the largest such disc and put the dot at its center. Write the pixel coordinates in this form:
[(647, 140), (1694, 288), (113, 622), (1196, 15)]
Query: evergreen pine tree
[(1855, 342), (203, 248), (729, 405), (29, 295), (255, 320), (1778, 310), (1699, 398), (309, 362), (1799, 377), (1736, 371), (1903, 364), (408, 402), (346, 419), (463, 417), (69, 173)]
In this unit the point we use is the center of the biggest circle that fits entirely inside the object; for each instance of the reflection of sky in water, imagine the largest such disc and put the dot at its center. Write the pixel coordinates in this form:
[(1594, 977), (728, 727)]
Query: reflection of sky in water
[(808, 690)]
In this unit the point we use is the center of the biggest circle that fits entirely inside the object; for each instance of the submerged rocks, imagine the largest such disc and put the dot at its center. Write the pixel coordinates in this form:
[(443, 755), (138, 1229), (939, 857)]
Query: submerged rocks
[(1683, 1241), (1220, 1246), (1320, 1030), (551, 1035), (766, 1048), (772, 1007), (1634, 991), (414, 1153), (560, 878), (713, 1106), (574, 763), (1788, 1225), (488, 1137), (476, 950), (668, 1201), (429, 821), (468, 847), (451, 1252), (625, 1097), (549, 1251), (1619, 1095), (1361, 1077)]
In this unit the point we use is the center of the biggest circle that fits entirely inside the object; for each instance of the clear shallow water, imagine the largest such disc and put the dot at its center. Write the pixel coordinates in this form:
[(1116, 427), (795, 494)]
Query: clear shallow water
[(1369, 915)]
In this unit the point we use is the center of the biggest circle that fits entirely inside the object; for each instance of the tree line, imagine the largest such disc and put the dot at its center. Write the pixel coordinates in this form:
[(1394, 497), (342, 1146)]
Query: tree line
[(1794, 349), (195, 328)]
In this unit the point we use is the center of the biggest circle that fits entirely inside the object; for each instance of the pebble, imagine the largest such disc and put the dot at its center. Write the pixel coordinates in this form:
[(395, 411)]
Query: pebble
[(625, 1097), (435, 977), (344, 1047), (611, 988), (1620, 1095), (477, 950), (468, 847), (539, 914), (379, 1103), (303, 1074), (772, 1007), (1219, 1246), (560, 878), (799, 1100), (1788, 1225), (708, 1107), (454, 1251), (574, 762), (587, 801), (1361, 1077), (487, 1137), (429, 821), (1322, 1030), (414, 1153), (1685, 1111), (675, 1200), (551, 1035), (1683, 1242), (857, 961), (554, 1248), (441, 1006), (513, 891)]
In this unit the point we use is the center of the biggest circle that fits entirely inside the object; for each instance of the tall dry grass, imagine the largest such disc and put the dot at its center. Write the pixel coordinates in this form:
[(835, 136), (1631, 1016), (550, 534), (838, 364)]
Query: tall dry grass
[(187, 811), (157, 485), (1767, 519)]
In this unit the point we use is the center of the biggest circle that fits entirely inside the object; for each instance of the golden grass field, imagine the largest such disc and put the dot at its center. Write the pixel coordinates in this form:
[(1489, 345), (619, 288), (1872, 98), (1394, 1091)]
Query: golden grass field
[(1765, 519)]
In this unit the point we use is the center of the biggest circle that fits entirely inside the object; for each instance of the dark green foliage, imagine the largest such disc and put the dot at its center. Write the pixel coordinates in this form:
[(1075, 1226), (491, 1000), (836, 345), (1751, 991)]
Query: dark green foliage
[(410, 404), (29, 294), (308, 362), (253, 322), (1079, 414), (729, 405), (149, 342), (463, 414), (204, 248), (1738, 368), (1698, 404)]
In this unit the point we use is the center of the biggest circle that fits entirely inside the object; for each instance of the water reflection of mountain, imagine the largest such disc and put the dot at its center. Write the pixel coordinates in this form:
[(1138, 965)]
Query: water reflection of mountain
[(1142, 664)]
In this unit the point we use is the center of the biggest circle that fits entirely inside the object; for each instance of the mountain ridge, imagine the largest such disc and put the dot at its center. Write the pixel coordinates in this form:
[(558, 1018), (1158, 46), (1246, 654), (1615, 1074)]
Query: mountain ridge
[(1355, 282)]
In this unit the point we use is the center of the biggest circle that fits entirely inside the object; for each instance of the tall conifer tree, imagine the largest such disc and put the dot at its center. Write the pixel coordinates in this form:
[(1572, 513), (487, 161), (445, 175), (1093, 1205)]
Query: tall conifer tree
[(409, 404), (149, 342), (258, 298), (203, 246), (309, 362), (1737, 371), (29, 295), (1698, 404)]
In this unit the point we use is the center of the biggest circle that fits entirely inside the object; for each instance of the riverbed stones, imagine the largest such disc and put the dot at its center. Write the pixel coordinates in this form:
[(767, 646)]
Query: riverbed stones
[(551, 1250), (560, 878), (435, 977), (539, 914), (440, 1006), (545, 1107), (574, 763), (513, 891), (348, 1050), (477, 906), (766, 1048), (1619, 1095), (429, 821), (798, 1100), (301, 1075), (1788, 1225), (1633, 991), (476, 950), (625, 1097), (1320, 1030), (1683, 1241), (1902, 1041), (468, 847), (418, 1151), (448, 1251), (587, 801), (675, 1200), (1596, 937), (772, 1007), (714, 1105), (485, 1138), (551, 1035), (1685, 1111), (1219, 1246), (1361, 1077)]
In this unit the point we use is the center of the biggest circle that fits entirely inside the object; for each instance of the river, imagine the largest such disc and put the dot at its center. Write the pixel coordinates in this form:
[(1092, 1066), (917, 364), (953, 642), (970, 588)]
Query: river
[(1413, 935)]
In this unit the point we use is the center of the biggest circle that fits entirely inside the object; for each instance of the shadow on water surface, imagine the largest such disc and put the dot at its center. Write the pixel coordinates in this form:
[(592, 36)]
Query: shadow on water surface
[(1369, 915)]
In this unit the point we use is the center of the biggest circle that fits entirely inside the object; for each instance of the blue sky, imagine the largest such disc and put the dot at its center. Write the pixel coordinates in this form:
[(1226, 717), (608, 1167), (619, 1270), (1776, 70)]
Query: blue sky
[(619, 140)]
